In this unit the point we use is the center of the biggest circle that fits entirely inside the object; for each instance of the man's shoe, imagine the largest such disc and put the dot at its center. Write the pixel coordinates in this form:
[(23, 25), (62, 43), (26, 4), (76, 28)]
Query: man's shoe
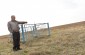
[(19, 49), (14, 49)]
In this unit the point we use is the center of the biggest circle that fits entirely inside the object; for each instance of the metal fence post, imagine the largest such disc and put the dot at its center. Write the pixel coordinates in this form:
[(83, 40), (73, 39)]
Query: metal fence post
[(23, 37), (35, 30), (48, 29)]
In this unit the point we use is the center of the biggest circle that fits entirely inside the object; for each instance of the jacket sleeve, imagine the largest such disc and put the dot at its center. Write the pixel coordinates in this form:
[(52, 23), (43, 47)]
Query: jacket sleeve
[(22, 22), (9, 27)]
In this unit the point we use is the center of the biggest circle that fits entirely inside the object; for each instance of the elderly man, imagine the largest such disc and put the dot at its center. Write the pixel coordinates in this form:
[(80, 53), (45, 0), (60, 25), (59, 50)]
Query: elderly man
[(14, 29)]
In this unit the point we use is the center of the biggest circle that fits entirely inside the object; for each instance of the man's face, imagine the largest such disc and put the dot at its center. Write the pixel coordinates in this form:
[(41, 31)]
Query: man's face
[(13, 18)]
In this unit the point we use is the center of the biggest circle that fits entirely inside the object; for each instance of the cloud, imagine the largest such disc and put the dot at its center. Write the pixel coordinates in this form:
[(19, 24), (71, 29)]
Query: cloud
[(52, 11), (69, 4)]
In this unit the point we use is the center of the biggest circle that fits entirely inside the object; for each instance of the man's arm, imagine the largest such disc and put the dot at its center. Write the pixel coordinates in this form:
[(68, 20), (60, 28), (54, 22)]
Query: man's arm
[(9, 27), (21, 22)]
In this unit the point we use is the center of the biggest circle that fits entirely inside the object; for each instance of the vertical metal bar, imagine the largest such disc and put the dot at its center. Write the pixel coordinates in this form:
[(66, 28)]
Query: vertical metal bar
[(48, 29), (11, 37), (23, 38), (35, 30)]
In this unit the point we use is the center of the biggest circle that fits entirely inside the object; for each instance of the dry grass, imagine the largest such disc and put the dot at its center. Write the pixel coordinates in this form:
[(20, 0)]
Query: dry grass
[(63, 41)]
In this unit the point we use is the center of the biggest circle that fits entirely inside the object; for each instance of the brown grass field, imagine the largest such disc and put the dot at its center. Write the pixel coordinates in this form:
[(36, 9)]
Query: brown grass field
[(64, 40)]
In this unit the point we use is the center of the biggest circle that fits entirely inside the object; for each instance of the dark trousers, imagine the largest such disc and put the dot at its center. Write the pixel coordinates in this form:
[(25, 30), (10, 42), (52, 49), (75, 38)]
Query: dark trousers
[(16, 40)]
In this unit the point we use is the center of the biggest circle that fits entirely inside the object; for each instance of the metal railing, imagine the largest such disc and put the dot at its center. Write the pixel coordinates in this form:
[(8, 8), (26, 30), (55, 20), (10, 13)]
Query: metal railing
[(33, 29)]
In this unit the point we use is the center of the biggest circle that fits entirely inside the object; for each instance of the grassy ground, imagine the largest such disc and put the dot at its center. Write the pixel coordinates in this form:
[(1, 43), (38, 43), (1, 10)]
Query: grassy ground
[(63, 41)]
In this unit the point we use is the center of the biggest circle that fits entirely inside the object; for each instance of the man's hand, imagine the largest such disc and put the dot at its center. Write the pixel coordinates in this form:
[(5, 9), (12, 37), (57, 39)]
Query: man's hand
[(25, 22), (15, 30)]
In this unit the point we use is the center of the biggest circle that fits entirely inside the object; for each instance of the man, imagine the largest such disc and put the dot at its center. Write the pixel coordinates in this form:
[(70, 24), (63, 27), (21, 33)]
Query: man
[(14, 29)]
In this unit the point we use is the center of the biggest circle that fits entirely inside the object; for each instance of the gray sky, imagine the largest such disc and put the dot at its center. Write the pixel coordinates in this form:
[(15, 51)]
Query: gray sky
[(56, 12)]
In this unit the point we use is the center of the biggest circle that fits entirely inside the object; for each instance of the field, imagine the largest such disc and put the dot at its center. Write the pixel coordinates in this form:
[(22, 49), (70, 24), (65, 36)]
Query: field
[(64, 40)]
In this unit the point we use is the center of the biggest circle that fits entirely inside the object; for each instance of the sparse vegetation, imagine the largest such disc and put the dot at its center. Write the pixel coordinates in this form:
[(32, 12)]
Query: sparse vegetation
[(63, 41)]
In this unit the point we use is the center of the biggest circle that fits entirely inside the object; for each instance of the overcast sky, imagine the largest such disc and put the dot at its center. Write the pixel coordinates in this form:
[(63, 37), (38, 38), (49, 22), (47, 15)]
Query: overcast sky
[(56, 12)]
